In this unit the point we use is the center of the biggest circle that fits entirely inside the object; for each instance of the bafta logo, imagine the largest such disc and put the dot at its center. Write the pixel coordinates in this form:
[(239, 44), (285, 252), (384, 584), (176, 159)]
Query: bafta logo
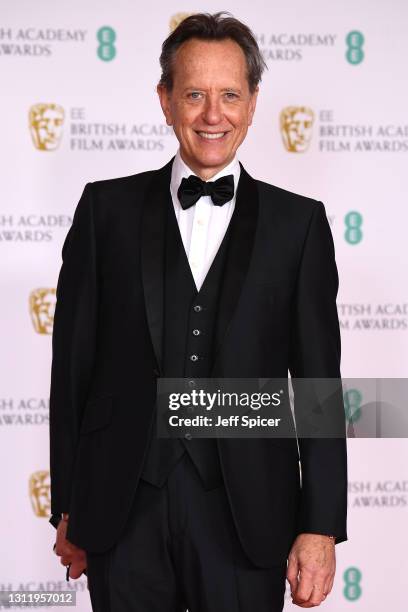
[(46, 122), (296, 124), (42, 307), (177, 19), (39, 492)]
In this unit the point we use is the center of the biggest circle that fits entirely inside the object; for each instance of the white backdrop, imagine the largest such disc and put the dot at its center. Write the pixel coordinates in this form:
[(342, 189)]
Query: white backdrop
[(78, 104)]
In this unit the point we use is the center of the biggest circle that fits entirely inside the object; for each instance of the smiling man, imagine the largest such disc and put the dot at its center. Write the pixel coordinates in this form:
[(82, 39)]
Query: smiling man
[(208, 101), (194, 270)]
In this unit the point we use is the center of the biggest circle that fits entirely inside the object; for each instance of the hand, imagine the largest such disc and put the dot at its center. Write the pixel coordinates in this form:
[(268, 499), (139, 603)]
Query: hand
[(313, 558), (69, 553)]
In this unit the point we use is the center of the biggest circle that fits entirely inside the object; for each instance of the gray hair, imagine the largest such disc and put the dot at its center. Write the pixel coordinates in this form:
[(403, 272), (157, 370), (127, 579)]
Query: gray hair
[(219, 26)]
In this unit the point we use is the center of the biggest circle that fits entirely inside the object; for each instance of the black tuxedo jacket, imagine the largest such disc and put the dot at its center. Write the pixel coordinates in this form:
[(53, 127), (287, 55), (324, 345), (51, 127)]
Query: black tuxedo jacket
[(277, 312)]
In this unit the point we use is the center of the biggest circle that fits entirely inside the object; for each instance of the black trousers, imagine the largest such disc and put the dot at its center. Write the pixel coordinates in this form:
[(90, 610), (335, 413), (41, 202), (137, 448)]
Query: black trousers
[(180, 551)]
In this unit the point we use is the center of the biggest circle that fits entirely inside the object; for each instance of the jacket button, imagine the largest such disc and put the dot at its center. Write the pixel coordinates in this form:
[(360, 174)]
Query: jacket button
[(196, 332), (198, 308), (188, 435), (193, 357)]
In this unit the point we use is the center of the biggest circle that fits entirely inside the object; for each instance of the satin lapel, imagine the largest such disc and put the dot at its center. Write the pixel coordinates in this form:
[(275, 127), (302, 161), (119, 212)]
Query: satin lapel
[(152, 253), (243, 228)]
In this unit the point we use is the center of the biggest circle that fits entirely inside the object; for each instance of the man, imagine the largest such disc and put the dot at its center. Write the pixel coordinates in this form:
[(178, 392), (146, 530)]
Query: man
[(194, 270)]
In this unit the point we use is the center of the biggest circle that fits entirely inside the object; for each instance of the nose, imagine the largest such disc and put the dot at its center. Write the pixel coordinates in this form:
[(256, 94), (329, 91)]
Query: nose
[(212, 112)]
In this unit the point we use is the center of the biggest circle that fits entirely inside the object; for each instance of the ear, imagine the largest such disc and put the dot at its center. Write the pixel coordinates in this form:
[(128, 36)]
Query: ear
[(252, 105), (164, 97)]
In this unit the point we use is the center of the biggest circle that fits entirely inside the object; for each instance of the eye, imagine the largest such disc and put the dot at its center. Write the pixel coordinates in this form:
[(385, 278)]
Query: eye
[(230, 95), (194, 95)]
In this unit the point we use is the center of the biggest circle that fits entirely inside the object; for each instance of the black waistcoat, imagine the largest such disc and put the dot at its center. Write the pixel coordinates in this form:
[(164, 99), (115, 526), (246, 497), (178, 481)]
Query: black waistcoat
[(188, 342)]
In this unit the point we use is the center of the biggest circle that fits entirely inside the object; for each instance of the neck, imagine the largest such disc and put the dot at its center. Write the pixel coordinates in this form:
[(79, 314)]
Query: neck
[(204, 173)]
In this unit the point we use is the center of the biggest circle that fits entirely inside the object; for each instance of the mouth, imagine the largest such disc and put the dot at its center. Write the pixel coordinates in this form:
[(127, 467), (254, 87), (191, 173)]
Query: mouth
[(211, 135)]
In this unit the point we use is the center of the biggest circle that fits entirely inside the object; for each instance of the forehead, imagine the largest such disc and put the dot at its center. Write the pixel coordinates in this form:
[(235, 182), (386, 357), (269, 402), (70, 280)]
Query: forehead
[(209, 61)]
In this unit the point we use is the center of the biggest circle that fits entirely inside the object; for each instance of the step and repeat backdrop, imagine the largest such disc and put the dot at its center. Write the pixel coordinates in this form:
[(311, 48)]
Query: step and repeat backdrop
[(78, 104)]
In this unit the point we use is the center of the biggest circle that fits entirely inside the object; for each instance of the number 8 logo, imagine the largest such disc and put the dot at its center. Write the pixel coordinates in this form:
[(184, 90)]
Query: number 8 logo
[(354, 41), (106, 37), (352, 589)]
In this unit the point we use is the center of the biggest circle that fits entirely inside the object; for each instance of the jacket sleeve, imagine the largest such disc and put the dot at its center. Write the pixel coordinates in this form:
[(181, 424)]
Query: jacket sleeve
[(315, 352), (73, 347)]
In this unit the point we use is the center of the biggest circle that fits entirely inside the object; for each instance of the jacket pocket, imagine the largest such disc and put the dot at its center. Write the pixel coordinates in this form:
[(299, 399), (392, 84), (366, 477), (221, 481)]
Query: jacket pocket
[(97, 414)]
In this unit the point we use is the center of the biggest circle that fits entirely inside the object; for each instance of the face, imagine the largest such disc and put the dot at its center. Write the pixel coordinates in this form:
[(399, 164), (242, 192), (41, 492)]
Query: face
[(210, 105)]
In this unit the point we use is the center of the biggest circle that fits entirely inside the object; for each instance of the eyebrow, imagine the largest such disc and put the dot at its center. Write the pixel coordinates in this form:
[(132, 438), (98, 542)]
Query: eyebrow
[(234, 89)]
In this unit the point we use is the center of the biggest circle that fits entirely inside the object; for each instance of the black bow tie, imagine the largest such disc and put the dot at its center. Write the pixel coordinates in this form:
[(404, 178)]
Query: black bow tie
[(192, 188)]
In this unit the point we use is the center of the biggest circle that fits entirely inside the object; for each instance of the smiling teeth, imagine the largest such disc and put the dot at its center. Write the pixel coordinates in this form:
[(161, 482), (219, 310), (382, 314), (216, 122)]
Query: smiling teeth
[(211, 136)]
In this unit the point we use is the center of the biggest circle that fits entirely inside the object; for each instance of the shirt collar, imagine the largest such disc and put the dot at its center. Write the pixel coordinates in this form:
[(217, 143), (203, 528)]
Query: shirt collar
[(180, 170)]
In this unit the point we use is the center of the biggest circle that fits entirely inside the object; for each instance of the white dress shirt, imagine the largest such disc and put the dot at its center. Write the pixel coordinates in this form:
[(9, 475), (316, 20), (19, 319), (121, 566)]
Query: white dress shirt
[(202, 226)]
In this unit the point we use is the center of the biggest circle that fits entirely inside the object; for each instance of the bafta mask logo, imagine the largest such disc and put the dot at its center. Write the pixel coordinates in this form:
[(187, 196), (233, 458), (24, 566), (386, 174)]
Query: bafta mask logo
[(39, 492), (46, 122), (42, 307), (296, 124), (177, 19)]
